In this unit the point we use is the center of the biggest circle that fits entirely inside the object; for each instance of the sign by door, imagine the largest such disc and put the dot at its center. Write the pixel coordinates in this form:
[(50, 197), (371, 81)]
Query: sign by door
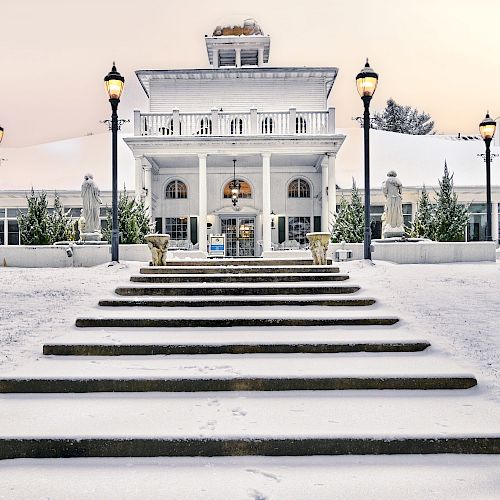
[(217, 245)]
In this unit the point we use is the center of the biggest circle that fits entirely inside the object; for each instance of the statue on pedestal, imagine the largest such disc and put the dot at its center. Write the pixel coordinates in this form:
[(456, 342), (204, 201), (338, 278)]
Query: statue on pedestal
[(91, 207), (392, 219)]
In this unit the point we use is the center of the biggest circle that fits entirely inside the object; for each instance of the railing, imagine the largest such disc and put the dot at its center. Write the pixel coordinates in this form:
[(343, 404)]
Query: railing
[(217, 123)]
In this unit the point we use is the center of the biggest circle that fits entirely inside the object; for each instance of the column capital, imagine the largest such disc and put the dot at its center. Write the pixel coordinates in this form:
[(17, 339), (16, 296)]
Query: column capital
[(202, 156), (331, 153), (266, 155), (147, 167)]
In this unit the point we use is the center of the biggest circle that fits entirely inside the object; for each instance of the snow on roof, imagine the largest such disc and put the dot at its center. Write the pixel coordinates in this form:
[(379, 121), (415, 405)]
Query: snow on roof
[(417, 159), (61, 165)]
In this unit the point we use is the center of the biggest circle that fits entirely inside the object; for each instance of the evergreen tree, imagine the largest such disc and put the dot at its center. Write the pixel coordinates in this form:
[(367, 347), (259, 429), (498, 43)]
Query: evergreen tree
[(34, 226), (450, 217), (133, 220), (348, 223), (60, 223), (423, 223), (402, 119)]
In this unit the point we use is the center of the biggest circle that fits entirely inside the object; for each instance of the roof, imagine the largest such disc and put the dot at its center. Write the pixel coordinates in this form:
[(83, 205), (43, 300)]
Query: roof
[(146, 75), (417, 159), (61, 165)]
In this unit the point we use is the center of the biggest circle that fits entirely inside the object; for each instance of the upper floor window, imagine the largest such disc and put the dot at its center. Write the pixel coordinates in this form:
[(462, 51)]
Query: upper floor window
[(267, 125), (176, 189), (205, 127), (236, 126), (299, 188), (245, 191), (300, 125)]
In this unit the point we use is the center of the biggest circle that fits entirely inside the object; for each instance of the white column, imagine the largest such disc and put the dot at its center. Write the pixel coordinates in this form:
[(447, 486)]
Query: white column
[(237, 57), (202, 202), (260, 57), (494, 221), (332, 189), (148, 199), (215, 60), (266, 202), (138, 178), (324, 195)]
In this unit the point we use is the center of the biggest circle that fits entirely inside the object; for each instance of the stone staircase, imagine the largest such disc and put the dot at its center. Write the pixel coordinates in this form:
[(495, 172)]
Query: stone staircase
[(250, 357)]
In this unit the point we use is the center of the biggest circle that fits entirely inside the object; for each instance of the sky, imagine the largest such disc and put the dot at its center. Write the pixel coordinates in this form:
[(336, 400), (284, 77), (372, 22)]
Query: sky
[(440, 56)]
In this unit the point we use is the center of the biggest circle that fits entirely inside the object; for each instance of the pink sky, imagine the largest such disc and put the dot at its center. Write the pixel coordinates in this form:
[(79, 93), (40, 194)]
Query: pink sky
[(440, 56)]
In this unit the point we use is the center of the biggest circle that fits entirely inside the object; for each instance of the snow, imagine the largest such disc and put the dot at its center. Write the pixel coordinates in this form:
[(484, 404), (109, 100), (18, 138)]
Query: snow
[(454, 306)]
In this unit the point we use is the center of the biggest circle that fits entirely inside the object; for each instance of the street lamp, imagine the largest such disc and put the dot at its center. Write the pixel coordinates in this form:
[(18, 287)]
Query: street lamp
[(487, 130), (366, 82), (114, 86)]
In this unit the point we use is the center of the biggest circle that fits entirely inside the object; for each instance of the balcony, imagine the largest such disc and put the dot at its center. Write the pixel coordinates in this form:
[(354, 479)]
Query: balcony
[(218, 123)]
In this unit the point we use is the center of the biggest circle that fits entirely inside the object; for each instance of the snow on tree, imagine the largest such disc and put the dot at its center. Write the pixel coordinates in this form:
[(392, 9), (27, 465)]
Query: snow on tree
[(450, 218), (133, 220), (40, 227), (402, 119), (60, 223), (348, 222), (423, 223)]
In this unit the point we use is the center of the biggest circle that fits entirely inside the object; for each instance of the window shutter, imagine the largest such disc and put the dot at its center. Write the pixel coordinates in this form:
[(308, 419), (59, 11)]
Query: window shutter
[(281, 230), (193, 224), (317, 223)]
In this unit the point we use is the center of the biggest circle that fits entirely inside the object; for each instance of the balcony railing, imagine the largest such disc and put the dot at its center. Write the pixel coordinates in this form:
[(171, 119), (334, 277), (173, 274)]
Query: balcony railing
[(218, 123)]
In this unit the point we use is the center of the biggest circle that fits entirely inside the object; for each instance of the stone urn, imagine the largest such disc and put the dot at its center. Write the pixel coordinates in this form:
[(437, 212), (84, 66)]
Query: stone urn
[(158, 244), (318, 244)]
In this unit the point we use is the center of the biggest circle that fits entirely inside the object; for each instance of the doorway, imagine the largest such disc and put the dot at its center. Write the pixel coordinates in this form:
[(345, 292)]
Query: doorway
[(240, 236)]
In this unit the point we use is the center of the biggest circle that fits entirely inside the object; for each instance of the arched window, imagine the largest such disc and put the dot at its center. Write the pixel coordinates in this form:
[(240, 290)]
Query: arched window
[(205, 127), (267, 125), (245, 191), (300, 125), (299, 188), (176, 189), (236, 126)]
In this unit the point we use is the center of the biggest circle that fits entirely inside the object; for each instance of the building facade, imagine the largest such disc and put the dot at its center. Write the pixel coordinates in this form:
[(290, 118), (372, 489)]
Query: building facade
[(240, 124)]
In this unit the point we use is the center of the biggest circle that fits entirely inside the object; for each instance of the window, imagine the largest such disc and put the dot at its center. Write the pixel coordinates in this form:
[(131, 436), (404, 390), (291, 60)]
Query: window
[(300, 125), (2, 232), (299, 188), (267, 125), (245, 189), (13, 232), (236, 126), (298, 227), (205, 127), (176, 189), (177, 228)]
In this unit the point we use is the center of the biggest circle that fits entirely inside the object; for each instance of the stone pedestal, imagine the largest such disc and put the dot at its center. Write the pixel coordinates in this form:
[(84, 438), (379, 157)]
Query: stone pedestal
[(158, 244), (88, 237), (318, 243)]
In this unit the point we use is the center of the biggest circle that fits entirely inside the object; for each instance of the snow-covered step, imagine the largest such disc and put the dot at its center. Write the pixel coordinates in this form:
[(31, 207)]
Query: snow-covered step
[(240, 262), (264, 372), (237, 278), (183, 289), (366, 422), (238, 269), (227, 322), (223, 302)]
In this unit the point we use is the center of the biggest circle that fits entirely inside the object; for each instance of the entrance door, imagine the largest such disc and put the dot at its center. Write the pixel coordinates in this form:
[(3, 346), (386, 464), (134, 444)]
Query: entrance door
[(240, 236)]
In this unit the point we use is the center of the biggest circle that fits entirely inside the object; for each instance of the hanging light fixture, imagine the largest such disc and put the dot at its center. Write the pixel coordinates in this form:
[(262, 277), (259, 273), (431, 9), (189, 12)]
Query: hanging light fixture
[(235, 190)]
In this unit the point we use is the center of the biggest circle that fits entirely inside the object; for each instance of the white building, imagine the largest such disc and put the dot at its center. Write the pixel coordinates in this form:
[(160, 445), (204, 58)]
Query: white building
[(276, 124), (272, 126)]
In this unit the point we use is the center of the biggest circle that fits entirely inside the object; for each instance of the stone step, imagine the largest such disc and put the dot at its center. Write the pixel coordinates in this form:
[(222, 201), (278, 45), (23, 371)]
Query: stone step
[(238, 269), (239, 302), (236, 278), (150, 425), (242, 289), (225, 322), (242, 262), (263, 372), (136, 349)]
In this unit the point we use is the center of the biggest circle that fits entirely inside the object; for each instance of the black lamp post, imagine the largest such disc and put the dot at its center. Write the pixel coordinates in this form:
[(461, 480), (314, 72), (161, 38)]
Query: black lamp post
[(487, 129), (114, 86), (366, 82)]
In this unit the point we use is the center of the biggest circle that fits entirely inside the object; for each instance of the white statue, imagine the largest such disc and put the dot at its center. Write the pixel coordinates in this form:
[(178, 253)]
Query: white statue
[(91, 204), (392, 219)]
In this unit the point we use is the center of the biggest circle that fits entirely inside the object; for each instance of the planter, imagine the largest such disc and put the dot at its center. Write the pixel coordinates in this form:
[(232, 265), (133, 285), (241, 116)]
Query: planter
[(158, 244), (318, 244)]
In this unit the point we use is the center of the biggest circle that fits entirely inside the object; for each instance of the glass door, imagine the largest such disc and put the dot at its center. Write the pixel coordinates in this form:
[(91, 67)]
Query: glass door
[(240, 236)]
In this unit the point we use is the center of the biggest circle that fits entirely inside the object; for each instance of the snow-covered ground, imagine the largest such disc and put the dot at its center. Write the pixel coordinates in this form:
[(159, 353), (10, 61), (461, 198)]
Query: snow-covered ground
[(454, 306)]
